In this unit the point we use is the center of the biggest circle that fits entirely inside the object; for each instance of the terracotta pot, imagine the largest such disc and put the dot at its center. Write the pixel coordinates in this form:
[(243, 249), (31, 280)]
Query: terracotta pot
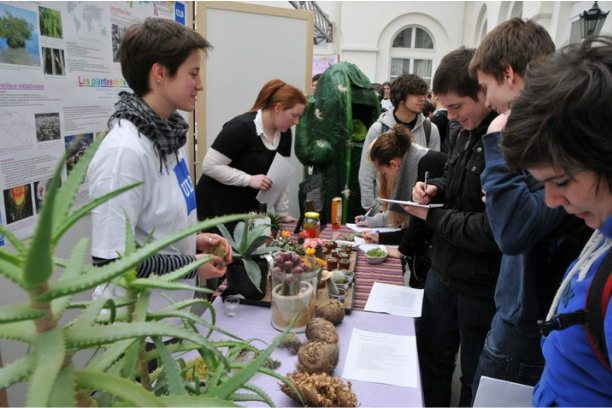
[(239, 283)]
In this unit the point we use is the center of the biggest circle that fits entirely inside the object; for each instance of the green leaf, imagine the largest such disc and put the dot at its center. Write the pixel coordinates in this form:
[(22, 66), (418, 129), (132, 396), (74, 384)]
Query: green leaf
[(265, 250), (107, 318), (232, 384), (19, 331), (157, 284), (130, 362), (253, 271), (227, 236), (255, 235), (50, 352), (257, 242), (243, 229), (17, 371), (196, 401), (123, 265), (260, 395), (86, 209), (89, 316), (112, 354), (16, 313), (70, 188), (38, 265), (130, 241), (11, 271), (191, 317), (271, 373), (73, 268), (173, 375), (16, 242), (93, 336), (127, 390), (119, 303), (64, 392), (179, 273)]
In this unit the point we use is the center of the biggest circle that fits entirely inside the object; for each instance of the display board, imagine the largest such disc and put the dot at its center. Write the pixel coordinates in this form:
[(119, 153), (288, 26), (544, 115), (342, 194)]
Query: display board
[(252, 45), (60, 79), (321, 62)]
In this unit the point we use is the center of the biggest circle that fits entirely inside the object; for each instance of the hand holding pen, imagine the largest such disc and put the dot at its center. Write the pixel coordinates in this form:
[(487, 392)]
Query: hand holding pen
[(362, 221), (370, 237), (425, 183)]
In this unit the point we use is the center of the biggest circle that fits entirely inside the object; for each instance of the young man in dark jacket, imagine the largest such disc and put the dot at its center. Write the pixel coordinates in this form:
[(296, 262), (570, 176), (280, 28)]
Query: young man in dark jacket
[(520, 220), (458, 303)]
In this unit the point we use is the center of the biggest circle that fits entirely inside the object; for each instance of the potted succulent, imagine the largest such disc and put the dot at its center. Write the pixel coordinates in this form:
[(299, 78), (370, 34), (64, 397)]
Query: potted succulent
[(248, 274), (116, 328), (294, 285)]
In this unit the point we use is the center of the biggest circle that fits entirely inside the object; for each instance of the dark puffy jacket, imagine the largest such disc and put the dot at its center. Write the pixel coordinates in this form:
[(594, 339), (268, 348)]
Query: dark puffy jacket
[(464, 252)]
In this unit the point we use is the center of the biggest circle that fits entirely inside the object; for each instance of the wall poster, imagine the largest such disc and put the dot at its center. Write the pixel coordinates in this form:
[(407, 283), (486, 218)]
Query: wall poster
[(60, 77)]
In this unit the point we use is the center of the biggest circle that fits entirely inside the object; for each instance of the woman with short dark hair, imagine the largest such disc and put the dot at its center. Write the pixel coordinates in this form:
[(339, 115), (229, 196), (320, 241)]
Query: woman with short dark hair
[(160, 60)]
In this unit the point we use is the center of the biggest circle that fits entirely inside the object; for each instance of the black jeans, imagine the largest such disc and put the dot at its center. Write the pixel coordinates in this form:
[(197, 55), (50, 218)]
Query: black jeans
[(448, 320)]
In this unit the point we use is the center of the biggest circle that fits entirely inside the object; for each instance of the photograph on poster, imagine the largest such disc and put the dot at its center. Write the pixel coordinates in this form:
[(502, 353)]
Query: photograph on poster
[(50, 22), (18, 36), (53, 61), (117, 36), (40, 189), (75, 148), (18, 203), (47, 126)]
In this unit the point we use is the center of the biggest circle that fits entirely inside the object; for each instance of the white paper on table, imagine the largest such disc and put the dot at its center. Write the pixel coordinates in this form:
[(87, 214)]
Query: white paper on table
[(355, 228), (395, 300), (412, 203), (382, 358), (366, 247), (280, 172), (499, 393)]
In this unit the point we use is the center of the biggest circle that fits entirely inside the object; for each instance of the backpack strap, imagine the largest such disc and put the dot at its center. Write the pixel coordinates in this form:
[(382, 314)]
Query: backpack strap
[(593, 315), (427, 128), (597, 302)]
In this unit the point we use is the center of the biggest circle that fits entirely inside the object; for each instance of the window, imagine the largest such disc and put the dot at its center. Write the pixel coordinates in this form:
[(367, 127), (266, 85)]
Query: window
[(420, 67), (421, 39), (412, 53)]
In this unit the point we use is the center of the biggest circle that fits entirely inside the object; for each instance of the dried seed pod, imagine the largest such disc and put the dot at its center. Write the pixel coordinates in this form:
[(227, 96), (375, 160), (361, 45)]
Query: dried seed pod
[(319, 329), (219, 251), (332, 310), (320, 390), (318, 357), (292, 342)]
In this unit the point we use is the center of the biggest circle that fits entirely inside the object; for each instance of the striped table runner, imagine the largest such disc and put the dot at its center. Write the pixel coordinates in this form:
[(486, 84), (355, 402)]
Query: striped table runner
[(389, 272)]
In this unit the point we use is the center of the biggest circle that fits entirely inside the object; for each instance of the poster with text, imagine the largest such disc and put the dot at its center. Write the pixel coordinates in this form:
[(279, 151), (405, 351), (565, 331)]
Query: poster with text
[(60, 77)]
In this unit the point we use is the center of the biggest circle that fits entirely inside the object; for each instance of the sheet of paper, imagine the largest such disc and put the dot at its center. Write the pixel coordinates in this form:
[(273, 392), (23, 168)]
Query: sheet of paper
[(280, 172), (355, 228), (382, 358), (366, 247), (499, 393), (395, 300), (411, 203)]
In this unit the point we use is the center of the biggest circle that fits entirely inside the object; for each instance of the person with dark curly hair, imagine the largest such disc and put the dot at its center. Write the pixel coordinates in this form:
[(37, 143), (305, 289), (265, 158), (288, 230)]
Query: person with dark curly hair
[(408, 96)]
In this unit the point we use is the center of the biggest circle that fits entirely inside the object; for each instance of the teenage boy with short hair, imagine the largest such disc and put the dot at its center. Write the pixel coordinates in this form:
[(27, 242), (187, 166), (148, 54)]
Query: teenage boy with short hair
[(408, 93), (519, 217), (458, 302)]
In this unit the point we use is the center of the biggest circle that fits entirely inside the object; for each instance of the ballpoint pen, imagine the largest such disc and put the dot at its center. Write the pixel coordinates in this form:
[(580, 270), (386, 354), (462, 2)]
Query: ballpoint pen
[(366, 214), (425, 182)]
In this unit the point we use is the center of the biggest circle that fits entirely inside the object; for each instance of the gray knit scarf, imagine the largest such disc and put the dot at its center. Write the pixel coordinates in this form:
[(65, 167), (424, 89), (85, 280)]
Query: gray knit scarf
[(407, 177), (168, 136)]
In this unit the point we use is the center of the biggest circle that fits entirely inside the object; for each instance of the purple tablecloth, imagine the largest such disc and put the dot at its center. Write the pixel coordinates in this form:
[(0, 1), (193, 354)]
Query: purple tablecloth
[(254, 322)]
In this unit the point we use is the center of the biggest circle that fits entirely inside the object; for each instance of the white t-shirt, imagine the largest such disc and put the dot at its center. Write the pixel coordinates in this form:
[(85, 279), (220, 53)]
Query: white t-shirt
[(165, 202)]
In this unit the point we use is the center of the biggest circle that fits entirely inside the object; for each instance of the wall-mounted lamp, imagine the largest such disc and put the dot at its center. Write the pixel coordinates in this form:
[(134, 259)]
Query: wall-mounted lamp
[(592, 21)]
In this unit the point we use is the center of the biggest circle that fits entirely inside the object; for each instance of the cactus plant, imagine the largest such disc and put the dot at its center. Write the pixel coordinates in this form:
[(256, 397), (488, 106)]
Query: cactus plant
[(119, 326)]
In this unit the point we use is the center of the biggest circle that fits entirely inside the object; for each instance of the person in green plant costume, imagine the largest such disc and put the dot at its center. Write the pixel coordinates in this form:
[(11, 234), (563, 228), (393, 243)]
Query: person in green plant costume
[(160, 60)]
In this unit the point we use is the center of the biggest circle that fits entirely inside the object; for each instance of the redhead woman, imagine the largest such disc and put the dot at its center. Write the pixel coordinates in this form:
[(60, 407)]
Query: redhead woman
[(235, 166)]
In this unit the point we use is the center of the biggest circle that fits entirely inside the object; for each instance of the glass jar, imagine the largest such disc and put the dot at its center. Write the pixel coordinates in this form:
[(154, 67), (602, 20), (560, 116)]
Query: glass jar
[(312, 224)]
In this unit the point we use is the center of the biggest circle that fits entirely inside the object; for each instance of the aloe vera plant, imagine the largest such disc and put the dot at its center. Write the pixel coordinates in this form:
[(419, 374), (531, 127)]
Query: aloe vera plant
[(116, 327)]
